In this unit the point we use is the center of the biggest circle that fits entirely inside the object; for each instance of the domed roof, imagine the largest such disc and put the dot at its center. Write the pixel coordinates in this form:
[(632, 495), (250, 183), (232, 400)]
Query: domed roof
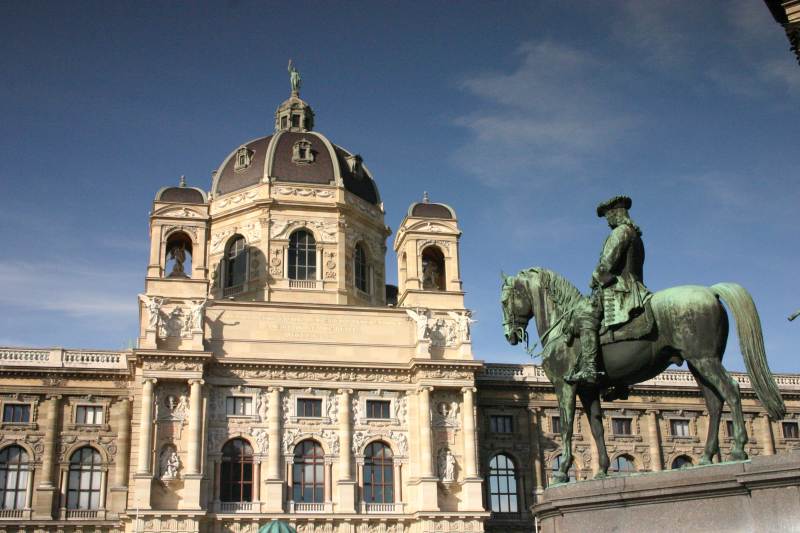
[(427, 209), (181, 194), (294, 154), (277, 526), (279, 157)]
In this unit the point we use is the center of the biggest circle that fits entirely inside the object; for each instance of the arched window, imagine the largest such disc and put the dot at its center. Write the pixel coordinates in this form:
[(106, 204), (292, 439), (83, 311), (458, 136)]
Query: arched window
[(179, 256), (235, 262), (84, 482), (360, 269), (308, 473), (302, 256), (236, 472), (378, 473), (433, 278), (681, 461), (503, 493), (623, 463), (14, 469), (557, 465)]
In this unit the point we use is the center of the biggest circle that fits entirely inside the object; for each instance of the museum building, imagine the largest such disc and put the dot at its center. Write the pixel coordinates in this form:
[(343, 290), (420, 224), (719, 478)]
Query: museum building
[(277, 375)]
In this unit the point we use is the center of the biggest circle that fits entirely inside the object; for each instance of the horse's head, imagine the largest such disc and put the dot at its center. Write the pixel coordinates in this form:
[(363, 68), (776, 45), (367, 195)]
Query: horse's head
[(517, 308)]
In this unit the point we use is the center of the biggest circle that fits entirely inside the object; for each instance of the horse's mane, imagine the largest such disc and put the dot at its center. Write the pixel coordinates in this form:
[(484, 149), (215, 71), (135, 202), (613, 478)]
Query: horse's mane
[(561, 290)]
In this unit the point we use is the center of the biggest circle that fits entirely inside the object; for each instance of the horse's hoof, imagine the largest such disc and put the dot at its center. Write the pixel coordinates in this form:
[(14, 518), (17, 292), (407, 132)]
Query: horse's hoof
[(601, 475), (705, 461), (559, 478), (738, 456)]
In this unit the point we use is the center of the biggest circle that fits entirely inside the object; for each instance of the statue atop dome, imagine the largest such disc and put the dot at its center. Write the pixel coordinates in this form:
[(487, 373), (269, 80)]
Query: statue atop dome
[(294, 79)]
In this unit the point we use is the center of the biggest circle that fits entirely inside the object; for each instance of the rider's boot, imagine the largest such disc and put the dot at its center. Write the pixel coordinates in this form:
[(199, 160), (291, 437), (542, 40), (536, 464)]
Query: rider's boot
[(585, 370)]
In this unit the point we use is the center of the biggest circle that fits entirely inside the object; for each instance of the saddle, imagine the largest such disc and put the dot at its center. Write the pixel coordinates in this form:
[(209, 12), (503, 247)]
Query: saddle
[(636, 328)]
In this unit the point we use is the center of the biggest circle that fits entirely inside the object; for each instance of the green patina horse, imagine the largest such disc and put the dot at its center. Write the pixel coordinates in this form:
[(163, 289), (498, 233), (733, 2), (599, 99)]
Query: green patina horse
[(690, 325)]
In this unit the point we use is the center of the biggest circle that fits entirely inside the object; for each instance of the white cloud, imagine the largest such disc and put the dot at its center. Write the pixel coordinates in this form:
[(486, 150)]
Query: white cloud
[(543, 120), (73, 289)]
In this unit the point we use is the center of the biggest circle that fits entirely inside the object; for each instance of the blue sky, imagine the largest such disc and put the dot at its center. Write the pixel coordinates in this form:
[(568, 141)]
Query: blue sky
[(521, 115)]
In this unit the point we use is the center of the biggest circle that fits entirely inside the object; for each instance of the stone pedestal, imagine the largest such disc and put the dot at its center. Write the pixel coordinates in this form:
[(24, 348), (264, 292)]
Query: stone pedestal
[(757, 496), (472, 495), (347, 496), (427, 494), (273, 496), (143, 484), (191, 492)]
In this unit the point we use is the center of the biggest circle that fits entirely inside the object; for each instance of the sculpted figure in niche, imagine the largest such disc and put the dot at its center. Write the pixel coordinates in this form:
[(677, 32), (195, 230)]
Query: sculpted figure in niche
[(170, 463), (430, 275), (178, 254), (447, 465)]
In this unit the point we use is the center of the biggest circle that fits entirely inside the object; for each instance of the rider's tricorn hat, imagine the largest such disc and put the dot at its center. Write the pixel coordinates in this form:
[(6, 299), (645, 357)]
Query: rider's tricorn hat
[(614, 203)]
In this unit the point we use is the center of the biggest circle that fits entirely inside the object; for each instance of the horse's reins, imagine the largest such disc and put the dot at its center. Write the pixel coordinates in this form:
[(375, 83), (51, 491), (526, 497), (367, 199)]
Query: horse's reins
[(524, 333)]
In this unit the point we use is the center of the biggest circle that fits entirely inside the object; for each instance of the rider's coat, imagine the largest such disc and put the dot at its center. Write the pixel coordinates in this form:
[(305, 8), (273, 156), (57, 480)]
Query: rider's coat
[(620, 273)]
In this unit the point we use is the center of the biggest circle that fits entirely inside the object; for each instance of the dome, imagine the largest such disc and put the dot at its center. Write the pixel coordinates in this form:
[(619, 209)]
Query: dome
[(181, 194), (427, 209), (295, 156), (277, 526)]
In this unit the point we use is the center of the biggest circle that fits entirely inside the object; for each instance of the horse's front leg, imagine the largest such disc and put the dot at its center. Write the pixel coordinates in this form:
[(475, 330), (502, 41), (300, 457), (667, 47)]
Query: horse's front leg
[(594, 412), (566, 405)]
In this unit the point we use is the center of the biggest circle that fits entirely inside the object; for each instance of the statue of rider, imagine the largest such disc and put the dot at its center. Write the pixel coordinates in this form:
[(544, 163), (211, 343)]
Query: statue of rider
[(618, 294)]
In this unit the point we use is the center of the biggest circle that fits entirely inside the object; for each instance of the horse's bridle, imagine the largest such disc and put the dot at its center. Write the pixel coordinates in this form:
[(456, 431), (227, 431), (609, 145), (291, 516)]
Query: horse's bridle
[(520, 330)]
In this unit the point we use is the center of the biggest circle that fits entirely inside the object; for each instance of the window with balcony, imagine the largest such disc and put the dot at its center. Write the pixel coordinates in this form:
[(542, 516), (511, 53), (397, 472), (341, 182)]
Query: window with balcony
[(379, 409), (378, 473), (308, 473), (14, 477), (17, 413), (84, 479), (501, 424), (503, 492), (239, 405), (621, 426), (236, 472), (302, 256)]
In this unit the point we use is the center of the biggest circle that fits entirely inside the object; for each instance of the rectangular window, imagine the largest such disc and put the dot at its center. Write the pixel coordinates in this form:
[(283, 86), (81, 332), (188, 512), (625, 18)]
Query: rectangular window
[(501, 424), (283, 122), (555, 424), (790, 430), (378, 409), (19, 413), (295, 121), (621, 426), (729, 428), (679, 428), (89, 414), (239, 405), (309, 407)]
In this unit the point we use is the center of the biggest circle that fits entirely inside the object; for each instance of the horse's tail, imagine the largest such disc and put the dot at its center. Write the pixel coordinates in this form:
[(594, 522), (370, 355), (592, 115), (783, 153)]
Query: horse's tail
[(751, 342)]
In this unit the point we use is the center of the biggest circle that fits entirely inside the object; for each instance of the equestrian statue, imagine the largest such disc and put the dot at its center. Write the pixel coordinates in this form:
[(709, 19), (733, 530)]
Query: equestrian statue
[(622, 334)]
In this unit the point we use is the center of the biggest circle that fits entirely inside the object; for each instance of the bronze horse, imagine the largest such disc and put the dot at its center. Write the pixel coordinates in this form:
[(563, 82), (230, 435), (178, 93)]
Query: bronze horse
[(690, 325)]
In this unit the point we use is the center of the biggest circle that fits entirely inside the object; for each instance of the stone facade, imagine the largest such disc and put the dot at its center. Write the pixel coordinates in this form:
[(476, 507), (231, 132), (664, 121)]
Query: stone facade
[(276, 376)]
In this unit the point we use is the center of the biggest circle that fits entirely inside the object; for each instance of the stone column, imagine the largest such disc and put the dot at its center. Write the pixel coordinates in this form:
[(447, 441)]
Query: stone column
[(44, 498), (468, 413), (766, 435), (655, 441), (273, 493), (195, 427), (274, 421), (536, 447), (425, 460), (146, 428), (347, 484), (194, 449), (119, 488)]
